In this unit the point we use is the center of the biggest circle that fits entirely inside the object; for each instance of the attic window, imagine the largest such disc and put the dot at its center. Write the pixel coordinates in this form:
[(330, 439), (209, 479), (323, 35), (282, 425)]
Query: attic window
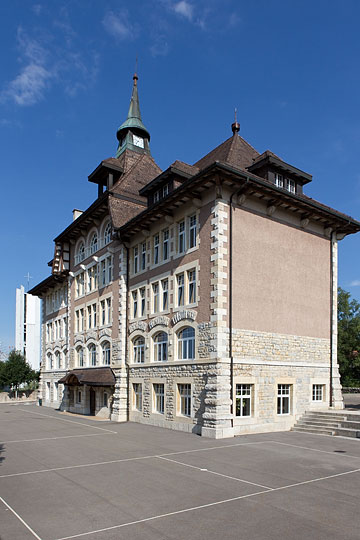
[(160, 193), (290, 185), (279, 180)]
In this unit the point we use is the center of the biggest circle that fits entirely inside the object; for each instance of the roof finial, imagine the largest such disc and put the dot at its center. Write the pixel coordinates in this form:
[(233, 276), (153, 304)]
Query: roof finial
[(135, 77), (235, 127)]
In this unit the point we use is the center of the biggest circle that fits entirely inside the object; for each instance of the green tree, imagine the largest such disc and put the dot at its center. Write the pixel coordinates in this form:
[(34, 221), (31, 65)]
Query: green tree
[(348, 338), (16, 371)]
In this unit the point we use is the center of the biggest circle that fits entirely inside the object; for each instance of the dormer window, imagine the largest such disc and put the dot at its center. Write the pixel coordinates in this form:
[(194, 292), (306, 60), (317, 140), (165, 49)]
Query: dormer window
[(279, 180), (165, 190), (290, 185), (156, 196)]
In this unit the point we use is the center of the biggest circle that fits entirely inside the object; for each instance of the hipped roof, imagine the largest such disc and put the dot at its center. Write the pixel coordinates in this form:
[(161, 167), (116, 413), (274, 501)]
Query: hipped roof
[(101, 376)]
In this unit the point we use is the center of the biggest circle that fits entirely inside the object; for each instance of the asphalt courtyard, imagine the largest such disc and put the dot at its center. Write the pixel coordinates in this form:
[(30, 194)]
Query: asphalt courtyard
[(64, 477)]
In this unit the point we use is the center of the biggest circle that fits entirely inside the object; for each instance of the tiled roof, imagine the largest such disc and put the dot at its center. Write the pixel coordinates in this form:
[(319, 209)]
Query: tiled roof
[(235, 152), (102, 376), (139, 170)]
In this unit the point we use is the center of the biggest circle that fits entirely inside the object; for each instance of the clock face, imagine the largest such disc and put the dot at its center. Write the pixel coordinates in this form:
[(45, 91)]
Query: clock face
[(138, 141)]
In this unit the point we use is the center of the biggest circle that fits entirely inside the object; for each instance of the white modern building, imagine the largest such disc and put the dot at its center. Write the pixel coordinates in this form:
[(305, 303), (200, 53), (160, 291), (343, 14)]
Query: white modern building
[(27, 327)]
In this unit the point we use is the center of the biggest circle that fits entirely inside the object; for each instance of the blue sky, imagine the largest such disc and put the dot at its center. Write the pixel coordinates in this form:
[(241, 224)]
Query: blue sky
[(291, 69)]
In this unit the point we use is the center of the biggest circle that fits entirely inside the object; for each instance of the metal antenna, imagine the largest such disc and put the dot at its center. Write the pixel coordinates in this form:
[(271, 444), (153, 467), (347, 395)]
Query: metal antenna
[(235, 114), (28, 277)]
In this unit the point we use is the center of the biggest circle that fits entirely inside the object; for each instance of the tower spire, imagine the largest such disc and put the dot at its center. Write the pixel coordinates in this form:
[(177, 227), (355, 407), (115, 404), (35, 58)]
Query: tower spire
[(235, 127), (132, 134)]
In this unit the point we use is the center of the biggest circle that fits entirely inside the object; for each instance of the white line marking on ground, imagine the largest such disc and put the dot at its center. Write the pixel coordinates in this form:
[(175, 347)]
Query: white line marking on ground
[(20, 519), (56, 438), (194, 508), (69, 421), (214, 472), (122, 460), (316, 449)]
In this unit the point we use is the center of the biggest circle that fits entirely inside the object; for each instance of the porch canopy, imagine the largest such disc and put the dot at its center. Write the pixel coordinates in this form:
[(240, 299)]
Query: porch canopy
[(102, 376)]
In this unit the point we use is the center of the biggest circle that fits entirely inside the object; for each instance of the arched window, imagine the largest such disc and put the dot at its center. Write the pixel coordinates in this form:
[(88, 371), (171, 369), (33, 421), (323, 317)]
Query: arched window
[(92, 355), (107, 234), (186, 344), (81, 252), (49, 361), (93, 243), (64, 355), (161, 347), (80, 356), (57, 360), (139, 350), (106, 353)]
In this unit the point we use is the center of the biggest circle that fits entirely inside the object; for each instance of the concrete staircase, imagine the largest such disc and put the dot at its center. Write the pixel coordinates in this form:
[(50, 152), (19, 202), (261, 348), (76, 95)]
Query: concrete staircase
[(340, 423)]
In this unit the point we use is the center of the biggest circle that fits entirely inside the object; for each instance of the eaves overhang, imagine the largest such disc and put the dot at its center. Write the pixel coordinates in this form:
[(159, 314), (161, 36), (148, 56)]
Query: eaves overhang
[(171, 172), (237, 179), (100, 174), (86, 219), (48, 283)]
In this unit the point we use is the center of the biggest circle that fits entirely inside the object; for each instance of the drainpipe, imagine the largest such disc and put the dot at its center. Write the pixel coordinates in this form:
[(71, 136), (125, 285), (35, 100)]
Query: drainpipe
[(231, 301), (126, 333), (332, 237)]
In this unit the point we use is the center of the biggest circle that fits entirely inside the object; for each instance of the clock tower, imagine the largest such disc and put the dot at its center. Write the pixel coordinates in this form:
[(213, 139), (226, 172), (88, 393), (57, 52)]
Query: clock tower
[(132, 134)]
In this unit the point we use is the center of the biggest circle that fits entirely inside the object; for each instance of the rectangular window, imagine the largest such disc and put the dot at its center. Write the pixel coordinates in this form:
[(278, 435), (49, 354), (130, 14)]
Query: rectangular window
[(94, 316), (142, 302), (318, 392), (105, 399), (283, 399), (165, 190), (180, 289), (192, 231), (137, 396), (165, 294), (165, 245), (243, 399), (181, 236), (82, 319), (159, 398), (79, 396), (103, 272), (192, 286), (89, 316), (77, 314), (156, 197), (290, 185), (103, 312), (135, 303), (155, 289), (143, 256), (136, 260), (108, 311), (184, 399), (92, 279), (279, 180), (109, 269), (156, 248)]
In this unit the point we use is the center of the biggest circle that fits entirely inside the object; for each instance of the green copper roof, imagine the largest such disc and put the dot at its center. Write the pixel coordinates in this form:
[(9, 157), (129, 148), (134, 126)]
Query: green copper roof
[(133, 120)]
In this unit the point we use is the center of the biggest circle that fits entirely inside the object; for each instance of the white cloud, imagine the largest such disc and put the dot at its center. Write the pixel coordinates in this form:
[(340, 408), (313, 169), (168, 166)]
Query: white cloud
[(118, 25), (184, 8), (355, 283), (37, 9), (28, 87)]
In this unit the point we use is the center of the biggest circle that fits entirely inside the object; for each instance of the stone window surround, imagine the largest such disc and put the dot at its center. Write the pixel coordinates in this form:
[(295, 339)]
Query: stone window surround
[(178, 416), (133, 396), (244, 420), (153, 411), (49, 325), (85, 305), (290, 381), (325, 384), (86, 355), (63, 358), (86, 240)]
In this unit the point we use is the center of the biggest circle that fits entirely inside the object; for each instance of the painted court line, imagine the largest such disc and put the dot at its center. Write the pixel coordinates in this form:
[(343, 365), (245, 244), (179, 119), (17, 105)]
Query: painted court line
[(200, 507), (69, 421), (56, 438), (95, 464), (20, 519), (315, 449), (214, 472)]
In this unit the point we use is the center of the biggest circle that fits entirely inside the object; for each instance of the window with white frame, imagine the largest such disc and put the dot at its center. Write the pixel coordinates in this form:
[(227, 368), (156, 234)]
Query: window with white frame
[(80, 356), (105, 347), (279, 180), (80, 285), (142, 301), (159, 398), (49, 361), (108, 311), (192, 231), (92, 278), (92, 354), (243, 394), (106, 271), (137, 402), (134, 295), (156, 196), (180, 278), (143, 256), (136, 259), (165, 190), (290, 185), (107, 234), (102, 313), (57, 360), (191, 277), (181, 236), (161, 347), (80, 256), (92, 316), (155, 297), (165, 294), (139, 350), (318, 392), (186, 344), (93, 243), (283, 399), (184, 392), (156, 249), (165, 245)]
